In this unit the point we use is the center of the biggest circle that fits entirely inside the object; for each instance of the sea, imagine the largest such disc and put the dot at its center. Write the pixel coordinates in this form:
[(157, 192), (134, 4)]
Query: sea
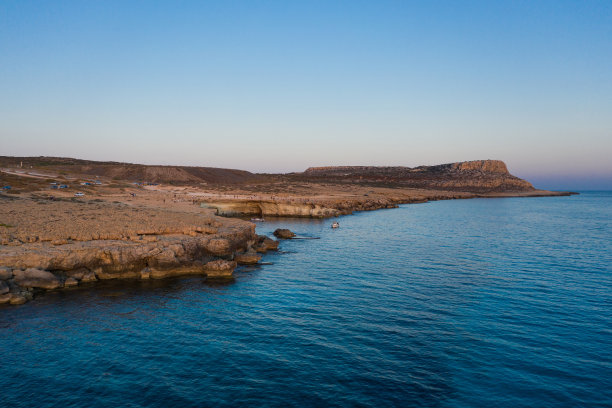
[(465, 303)]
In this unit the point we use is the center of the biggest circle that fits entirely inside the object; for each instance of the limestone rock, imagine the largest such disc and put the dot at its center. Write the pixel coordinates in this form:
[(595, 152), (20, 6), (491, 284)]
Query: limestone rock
[(96, 249), (193, 268), (166, 258), (36, 278), (283, 233), (5, 273), (77, 273), (478, 176), (260, 248), (247, 258), (219, 246), (220, 268), (206, 230), (17, 299), (145, 273), (266, 244), (486, 166), (5, 298), (89, 276)]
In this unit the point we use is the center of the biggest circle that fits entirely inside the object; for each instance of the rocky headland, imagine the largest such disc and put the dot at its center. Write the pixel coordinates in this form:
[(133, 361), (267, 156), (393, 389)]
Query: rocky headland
[(68, 222), (479, 176), (322, 192), (54, 244)]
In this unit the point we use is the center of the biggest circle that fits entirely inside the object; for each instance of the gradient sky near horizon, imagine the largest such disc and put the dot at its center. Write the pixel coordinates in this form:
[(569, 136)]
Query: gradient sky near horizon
[(273, 86)]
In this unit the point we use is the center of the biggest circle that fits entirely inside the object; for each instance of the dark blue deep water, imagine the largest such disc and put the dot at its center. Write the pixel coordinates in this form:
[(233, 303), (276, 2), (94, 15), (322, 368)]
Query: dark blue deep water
[(488, 303)]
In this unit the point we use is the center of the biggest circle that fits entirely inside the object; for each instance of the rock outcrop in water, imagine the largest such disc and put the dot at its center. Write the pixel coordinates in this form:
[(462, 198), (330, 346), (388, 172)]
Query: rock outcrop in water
[(265, 244), (284, 233), (247, 258), (67, 250), (36, 266)]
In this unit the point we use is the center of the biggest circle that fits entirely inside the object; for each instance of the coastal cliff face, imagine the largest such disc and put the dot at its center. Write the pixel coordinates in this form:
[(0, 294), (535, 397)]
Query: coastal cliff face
[(295, 208), (317, 208), (480, 176), (486, 166), (48, 245)]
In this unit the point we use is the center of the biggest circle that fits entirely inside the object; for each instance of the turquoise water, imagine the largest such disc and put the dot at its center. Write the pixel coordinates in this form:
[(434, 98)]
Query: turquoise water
[(487, 302)]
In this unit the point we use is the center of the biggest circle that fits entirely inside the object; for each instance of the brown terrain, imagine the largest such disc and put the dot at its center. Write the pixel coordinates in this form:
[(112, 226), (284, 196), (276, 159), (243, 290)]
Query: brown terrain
[(148, 222)]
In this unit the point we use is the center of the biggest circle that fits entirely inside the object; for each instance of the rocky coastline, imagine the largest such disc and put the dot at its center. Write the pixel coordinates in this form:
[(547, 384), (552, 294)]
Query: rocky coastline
[(55, 258), (53, 239), (327, 208), (321, 192)]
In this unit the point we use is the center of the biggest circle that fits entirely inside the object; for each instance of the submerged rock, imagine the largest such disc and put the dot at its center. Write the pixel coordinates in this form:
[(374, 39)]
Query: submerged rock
[(284, 233)]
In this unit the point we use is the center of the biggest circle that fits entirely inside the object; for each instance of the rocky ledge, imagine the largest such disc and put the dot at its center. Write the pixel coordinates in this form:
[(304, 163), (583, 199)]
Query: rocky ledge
[(28, 265)]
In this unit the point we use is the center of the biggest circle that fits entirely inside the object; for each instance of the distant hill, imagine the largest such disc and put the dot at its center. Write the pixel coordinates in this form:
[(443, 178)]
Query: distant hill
[(474, 176), (132, 172), (470, 176)]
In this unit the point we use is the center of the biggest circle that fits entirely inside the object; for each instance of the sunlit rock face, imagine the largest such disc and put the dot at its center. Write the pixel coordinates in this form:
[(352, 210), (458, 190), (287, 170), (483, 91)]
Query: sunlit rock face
[(478, 176)]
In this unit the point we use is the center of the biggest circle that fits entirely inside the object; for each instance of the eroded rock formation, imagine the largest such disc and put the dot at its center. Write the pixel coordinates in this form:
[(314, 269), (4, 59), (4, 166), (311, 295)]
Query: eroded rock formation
[(284, 233), (247, 258), (28, 264)]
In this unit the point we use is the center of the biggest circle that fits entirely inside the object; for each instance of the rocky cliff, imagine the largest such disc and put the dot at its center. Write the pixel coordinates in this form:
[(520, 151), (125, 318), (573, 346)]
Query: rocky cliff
[(478, 176)]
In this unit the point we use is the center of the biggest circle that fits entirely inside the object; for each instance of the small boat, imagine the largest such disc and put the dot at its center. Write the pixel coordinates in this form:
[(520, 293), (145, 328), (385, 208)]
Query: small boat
[(257, 219), (336, 224)]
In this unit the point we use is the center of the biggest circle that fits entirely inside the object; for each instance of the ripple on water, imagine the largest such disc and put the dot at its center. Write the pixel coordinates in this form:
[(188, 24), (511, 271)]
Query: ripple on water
[(454, 303)]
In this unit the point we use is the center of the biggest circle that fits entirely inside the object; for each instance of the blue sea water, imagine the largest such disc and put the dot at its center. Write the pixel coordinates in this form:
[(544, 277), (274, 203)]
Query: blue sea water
[(464, 303)]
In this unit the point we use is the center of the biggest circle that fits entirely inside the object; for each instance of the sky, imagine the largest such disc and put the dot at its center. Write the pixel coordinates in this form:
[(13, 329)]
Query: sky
[(278, 86)]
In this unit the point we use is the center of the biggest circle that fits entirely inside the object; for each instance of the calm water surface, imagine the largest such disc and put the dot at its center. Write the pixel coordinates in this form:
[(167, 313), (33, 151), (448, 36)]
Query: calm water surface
[(490, 302)]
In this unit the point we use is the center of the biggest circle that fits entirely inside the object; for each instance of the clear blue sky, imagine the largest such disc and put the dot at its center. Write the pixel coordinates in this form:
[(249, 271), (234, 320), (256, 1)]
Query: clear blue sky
[(281, 85)]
